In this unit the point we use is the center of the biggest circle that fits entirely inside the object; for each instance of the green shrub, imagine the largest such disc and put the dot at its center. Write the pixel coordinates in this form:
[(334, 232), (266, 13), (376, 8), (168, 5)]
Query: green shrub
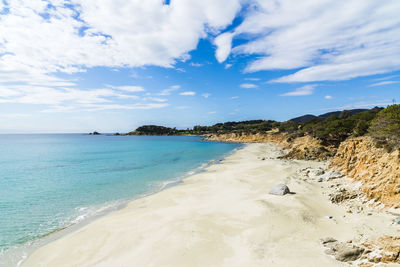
[(385, 128)]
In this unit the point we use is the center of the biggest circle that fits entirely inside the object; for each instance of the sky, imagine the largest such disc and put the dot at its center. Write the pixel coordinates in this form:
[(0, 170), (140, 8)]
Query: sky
[(70, 66)]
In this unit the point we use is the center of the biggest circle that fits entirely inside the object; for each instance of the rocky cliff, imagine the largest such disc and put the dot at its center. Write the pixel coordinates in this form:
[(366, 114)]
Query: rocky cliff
[(377, 170), (303, 148)]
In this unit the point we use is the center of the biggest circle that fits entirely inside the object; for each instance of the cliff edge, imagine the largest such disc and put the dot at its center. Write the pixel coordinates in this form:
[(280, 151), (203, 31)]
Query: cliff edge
[(376, 169)]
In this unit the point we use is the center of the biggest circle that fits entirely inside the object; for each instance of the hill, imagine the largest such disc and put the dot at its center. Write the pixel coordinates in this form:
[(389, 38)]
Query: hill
[(310, 117)]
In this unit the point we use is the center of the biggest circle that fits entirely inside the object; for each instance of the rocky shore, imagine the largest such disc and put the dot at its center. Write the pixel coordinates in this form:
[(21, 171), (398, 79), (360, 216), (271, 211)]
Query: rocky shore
[(377, 170), (360, 250), (360, 177)]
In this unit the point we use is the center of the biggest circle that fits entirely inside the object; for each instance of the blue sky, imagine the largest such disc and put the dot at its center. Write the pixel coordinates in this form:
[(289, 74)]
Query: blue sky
[(79, 66)]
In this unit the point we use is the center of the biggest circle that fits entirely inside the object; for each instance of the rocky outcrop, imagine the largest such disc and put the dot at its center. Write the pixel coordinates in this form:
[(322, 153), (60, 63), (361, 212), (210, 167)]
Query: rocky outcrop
[(342, 195), (385, 249), (377, 170), (342, 251), (279, 190), (303, 148), (249, 138)]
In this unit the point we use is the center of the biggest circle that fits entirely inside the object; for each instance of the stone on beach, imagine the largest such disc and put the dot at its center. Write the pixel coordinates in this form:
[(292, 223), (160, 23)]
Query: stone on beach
[(331, 175), (328, 240), (280, 190), (342, 251), (347, 253)]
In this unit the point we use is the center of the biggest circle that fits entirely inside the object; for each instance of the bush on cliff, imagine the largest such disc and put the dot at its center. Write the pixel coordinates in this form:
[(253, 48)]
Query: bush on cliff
[(385, 128), (334, 129)]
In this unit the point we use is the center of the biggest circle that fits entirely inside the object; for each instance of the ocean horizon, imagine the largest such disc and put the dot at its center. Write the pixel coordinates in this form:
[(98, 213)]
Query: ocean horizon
[(49, 182)]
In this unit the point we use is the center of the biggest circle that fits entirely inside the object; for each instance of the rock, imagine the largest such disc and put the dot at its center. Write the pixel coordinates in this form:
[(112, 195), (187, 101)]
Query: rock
[(346, 253), (397, 220), (280, 190), (331, 175), (329, 217), (319, 172), (328, 240), (312, 173), (343, 195), (343, 251)]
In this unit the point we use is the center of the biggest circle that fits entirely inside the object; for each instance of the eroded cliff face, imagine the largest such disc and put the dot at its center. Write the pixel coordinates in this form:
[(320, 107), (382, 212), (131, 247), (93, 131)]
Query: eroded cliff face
[(303, 148), (248, 138), (377, 170)]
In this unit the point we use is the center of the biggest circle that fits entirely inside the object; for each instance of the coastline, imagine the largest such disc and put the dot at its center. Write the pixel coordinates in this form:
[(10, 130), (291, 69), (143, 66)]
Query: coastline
[(222, 216), (15, 256)]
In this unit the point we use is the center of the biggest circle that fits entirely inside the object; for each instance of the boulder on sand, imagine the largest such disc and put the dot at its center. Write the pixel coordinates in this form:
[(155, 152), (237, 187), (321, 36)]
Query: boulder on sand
[(280, 190), (344, 252)]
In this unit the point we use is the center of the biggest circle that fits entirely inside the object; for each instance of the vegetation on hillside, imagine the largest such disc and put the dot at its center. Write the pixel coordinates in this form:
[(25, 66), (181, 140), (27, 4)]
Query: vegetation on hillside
[(241, 127), (336, 129), (382, 124), (155, 130), (385, 128)]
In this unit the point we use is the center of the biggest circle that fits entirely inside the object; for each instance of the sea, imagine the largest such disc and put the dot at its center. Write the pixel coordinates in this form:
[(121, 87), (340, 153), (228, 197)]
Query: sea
[(50, 182)]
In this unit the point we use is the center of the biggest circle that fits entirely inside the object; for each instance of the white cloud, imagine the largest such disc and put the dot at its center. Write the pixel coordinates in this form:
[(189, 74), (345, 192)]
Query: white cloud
[(234, 97), (142, 106), (224, 44), (248, 85), (227, 66), (194, 64), (310, 35), (328, 97), (384, 83), (304, 90), (206, 95), (129, 88), (386, 78), (252, 79), (169, 90), (63, 99), (155, 99), (107, 33), (188, 93), (212, 112)]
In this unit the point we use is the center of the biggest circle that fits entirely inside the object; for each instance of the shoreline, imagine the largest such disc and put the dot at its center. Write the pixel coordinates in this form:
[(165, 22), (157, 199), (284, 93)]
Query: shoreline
[(215, 215), (20, 253)]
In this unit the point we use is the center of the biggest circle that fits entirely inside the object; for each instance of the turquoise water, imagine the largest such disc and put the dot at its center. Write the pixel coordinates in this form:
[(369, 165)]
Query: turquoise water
[(48, 182)]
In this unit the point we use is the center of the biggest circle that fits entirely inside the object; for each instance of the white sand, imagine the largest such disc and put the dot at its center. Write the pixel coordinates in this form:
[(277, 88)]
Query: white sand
[(221, 217)]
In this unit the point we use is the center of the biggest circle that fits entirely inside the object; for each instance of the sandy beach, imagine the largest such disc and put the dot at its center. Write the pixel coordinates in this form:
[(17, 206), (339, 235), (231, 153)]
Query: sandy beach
[(223, 216)]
